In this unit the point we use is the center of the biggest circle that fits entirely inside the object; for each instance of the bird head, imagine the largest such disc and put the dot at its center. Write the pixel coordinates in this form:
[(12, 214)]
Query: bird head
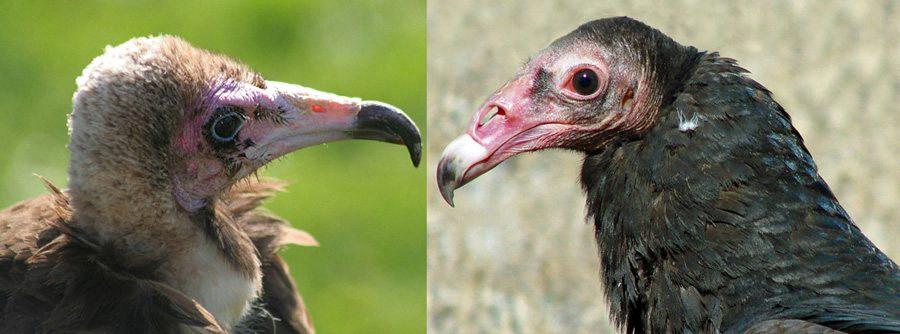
[(597, 84), (159, 114)]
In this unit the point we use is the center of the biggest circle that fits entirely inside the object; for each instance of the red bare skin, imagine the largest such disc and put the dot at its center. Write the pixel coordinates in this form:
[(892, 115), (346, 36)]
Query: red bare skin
[(540, 108)]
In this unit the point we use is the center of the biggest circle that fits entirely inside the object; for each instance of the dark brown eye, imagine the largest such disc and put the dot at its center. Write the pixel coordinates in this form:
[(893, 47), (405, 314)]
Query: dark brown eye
[(226, 127), (585, 82)]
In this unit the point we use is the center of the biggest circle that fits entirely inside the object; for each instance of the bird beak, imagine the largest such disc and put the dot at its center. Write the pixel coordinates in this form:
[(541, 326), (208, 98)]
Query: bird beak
[(507, 124), (300, 117), (460, 163)]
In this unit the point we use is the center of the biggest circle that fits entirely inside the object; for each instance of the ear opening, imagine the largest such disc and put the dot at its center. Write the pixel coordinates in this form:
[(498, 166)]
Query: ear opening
[(628, 100)]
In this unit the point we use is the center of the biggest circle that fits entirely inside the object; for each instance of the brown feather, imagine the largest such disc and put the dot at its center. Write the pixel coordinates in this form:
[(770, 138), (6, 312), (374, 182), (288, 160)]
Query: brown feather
[(56, 277), (269, 233)]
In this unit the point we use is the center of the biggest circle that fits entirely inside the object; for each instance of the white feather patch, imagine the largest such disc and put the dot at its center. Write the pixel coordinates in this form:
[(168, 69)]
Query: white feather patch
[(687, 125), (207, 276)]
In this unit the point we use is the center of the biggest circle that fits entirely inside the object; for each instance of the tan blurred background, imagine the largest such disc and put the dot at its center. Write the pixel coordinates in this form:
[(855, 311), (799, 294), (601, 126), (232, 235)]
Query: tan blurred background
[(515, 256)]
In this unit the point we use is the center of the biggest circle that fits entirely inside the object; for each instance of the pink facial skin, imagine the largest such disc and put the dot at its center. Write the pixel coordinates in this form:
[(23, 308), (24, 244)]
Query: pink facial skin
[(266, 123), (190, 140), (277, 120), (513, 128), (539, 109)]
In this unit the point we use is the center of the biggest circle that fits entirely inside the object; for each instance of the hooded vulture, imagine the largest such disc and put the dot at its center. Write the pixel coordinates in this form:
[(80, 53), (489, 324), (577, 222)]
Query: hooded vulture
[(159, 230)]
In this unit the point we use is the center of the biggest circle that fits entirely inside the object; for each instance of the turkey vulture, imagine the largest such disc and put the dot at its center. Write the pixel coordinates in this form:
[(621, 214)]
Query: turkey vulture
[(709, 213), (158, 231)]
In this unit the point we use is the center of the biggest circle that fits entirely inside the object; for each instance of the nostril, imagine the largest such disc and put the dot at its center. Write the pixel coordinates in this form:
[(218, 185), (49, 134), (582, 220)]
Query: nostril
[(490, 114)]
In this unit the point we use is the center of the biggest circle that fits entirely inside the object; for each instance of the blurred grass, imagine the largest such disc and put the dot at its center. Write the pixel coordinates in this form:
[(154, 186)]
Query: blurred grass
[(363, 201)]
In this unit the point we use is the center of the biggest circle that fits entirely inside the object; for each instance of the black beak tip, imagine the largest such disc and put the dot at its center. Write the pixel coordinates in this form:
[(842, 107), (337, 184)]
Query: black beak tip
[(446, 179), (448, 196), (415, 153), (381, 121)]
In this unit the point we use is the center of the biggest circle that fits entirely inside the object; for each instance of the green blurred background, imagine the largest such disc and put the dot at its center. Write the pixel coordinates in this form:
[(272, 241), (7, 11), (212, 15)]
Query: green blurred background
[(363, 201), (516, 256)]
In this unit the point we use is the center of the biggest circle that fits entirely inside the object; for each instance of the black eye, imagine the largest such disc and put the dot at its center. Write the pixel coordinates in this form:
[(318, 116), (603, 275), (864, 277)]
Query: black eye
[(226, 126), (585, 82)]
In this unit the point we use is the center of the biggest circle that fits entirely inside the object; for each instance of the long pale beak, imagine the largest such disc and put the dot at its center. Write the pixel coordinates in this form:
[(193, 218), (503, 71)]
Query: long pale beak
[(295, 117)]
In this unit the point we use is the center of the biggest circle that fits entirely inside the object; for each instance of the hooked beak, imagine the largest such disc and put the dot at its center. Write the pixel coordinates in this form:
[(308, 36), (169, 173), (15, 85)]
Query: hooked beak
[(507, 124), (302, 117), (460, 164), (465, 158)]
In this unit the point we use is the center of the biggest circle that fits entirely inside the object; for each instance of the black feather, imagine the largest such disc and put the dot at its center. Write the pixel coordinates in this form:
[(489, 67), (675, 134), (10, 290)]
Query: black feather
[(728, 224)]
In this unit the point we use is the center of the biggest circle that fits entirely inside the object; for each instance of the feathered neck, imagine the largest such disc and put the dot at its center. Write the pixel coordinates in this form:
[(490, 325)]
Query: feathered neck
[(123, 197), (154, 229), (676, 208)]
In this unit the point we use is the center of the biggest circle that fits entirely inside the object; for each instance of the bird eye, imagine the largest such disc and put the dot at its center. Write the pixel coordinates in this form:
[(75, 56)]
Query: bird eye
[(585, 82), (226, 127)]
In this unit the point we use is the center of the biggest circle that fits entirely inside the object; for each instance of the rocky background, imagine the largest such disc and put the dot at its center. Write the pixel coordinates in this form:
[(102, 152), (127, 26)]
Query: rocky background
[(516, 256)]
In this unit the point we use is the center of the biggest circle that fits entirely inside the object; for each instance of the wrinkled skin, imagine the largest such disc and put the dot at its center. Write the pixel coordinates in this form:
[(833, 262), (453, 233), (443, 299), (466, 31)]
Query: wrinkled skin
[(260, 124), (540, 108)]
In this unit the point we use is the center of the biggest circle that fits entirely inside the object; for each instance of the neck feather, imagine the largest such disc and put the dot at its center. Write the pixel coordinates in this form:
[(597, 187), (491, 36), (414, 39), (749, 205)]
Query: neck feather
[(132, 209), (684, 197)]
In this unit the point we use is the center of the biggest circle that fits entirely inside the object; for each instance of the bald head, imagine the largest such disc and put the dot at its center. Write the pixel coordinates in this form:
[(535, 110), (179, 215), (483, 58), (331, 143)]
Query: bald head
[(159, 118), (604, 81)]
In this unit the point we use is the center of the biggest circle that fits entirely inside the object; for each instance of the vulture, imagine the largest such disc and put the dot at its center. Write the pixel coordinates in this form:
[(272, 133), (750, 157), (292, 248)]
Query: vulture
[(708, 210), (159, 230)]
